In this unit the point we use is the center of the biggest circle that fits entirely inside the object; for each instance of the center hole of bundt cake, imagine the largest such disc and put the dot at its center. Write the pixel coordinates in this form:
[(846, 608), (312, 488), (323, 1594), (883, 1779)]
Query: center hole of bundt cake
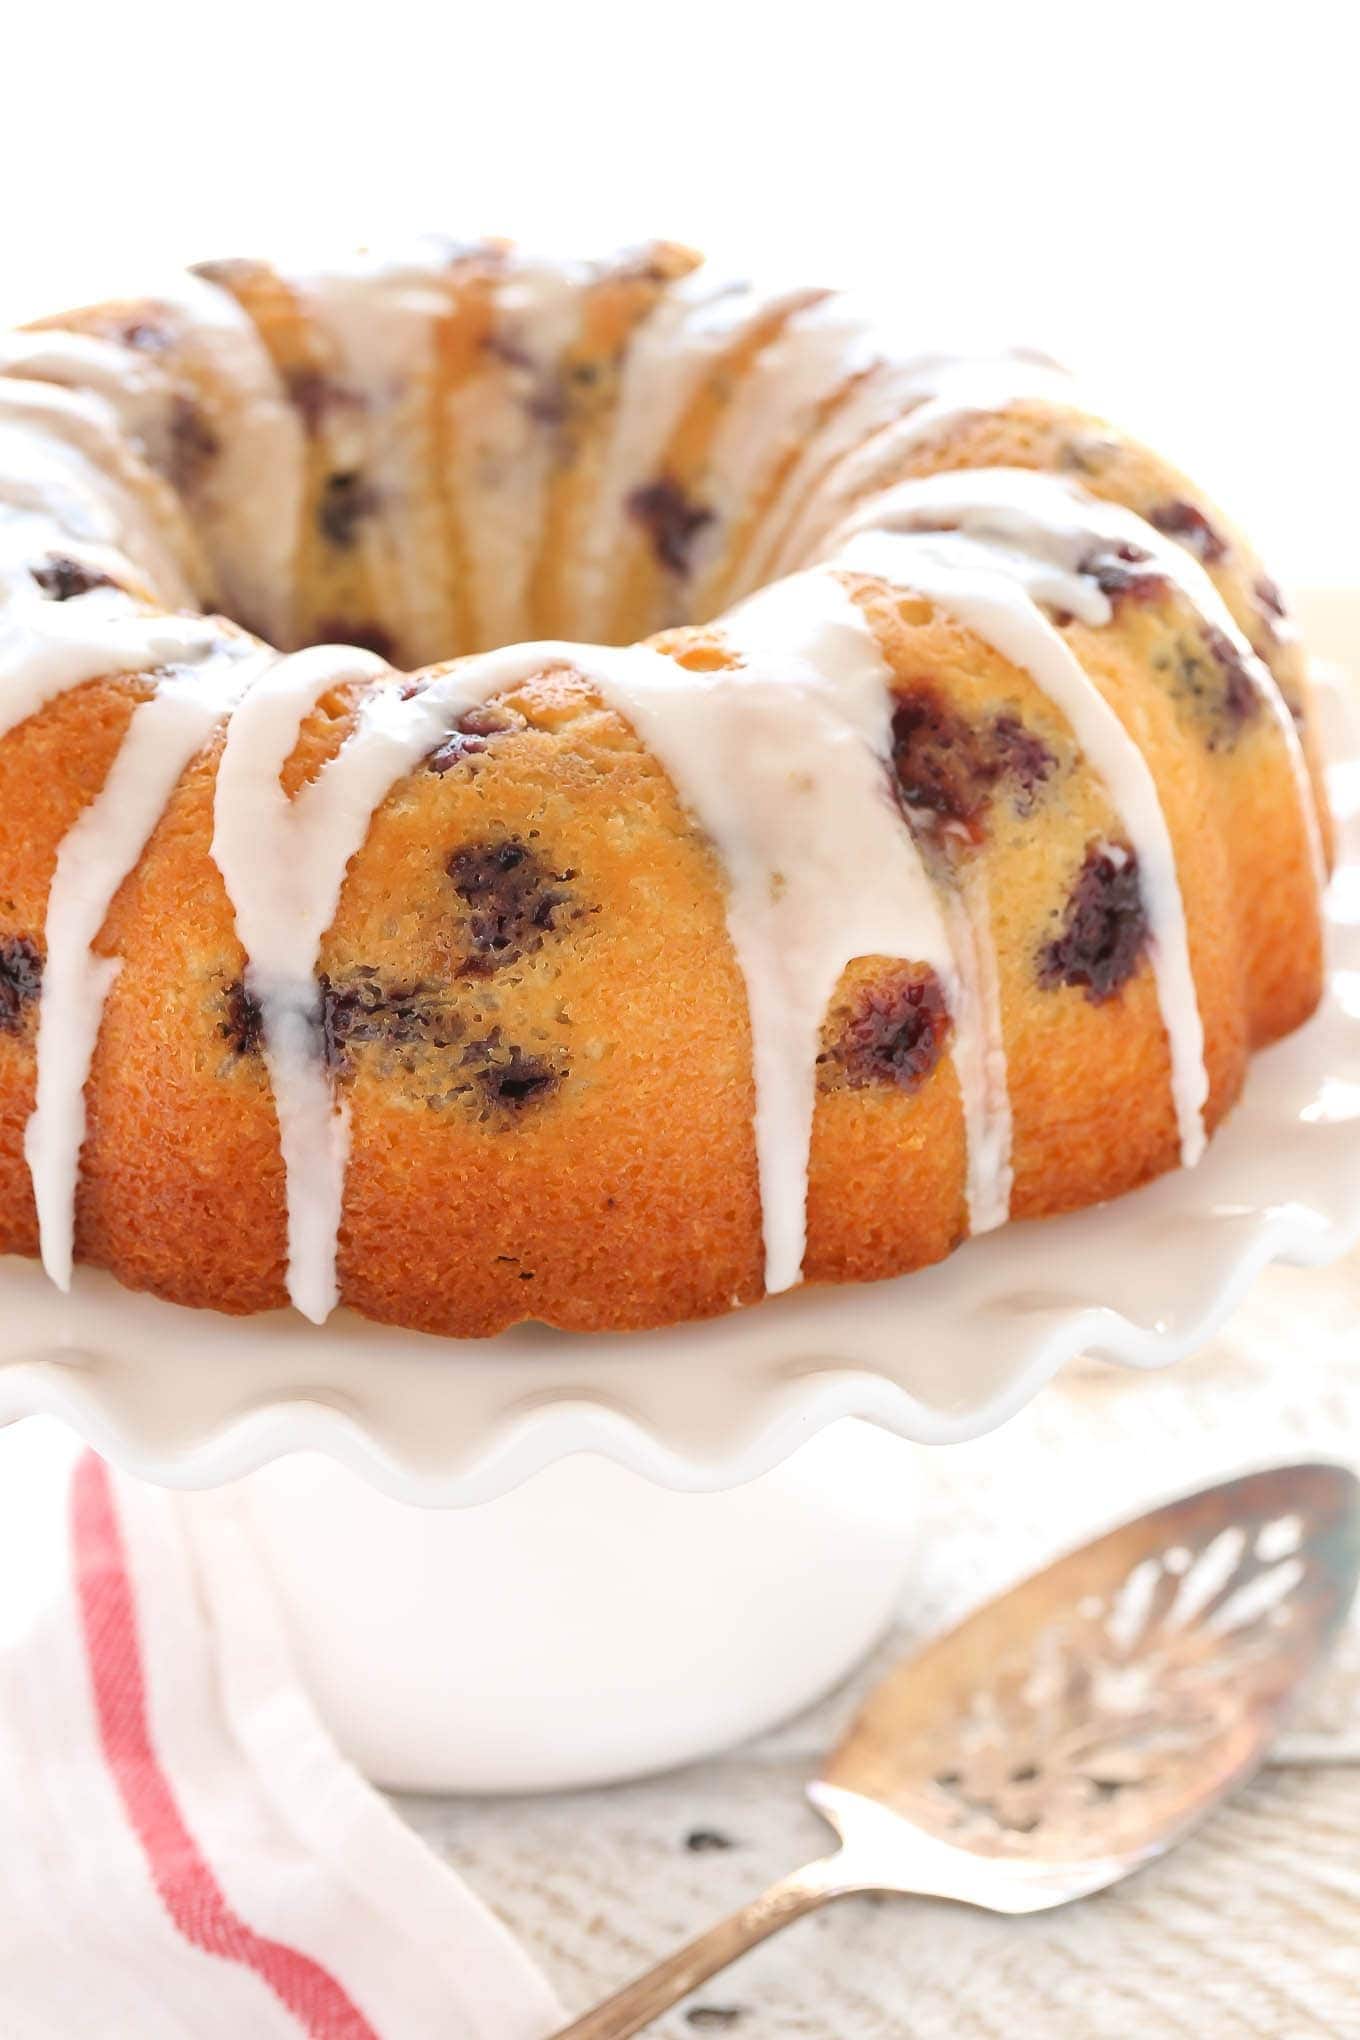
[(375, 570)]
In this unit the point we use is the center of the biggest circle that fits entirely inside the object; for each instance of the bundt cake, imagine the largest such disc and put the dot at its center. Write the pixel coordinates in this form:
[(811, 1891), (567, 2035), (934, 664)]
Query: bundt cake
[(859, 797)]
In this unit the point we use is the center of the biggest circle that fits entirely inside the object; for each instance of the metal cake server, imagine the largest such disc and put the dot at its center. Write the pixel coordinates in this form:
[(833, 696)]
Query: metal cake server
[(1073, 1729)]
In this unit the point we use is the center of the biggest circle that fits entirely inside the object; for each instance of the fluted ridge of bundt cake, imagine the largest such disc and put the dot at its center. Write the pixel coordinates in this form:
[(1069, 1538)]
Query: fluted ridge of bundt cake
[(859, 797)]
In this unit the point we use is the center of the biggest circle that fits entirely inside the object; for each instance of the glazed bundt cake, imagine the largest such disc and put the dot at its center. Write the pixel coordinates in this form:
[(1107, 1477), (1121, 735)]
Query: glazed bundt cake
[(860, 796)]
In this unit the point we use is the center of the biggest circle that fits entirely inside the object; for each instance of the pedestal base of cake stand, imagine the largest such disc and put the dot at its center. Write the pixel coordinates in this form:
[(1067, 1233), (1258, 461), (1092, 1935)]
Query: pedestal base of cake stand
[(589, 1626)]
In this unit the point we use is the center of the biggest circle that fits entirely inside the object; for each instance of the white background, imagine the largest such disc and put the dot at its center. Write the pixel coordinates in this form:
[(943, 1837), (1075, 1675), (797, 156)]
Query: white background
[(1165, 195)]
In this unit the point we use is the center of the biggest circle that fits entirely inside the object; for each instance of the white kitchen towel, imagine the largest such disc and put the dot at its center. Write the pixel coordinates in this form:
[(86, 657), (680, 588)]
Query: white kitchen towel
[(184, 1854)]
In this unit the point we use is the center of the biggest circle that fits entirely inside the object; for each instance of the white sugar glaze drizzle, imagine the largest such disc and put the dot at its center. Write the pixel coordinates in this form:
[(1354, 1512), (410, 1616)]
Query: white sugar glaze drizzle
[(868, 430), (1040, 522), (504, 453), (952, 393), (249, 500), (821, 869), (283, 862), (781, 399), (96, 855), (980, 1052), (685, 334), (27, 546), (42, 656), (148, 522), (41, 474), (1015, 549), (248, 504), (126, 381), (381, 319)]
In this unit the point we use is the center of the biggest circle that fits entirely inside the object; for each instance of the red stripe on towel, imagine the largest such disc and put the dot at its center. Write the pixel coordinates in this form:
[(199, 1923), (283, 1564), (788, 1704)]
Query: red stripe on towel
[(188, 1889)]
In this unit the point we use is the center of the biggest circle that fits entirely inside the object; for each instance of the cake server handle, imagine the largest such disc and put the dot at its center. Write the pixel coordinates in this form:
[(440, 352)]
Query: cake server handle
[(634, 2007)]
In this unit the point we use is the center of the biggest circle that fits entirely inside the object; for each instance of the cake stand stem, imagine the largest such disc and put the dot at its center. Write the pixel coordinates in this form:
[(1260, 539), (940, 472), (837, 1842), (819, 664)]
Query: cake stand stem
[(589, 1626)]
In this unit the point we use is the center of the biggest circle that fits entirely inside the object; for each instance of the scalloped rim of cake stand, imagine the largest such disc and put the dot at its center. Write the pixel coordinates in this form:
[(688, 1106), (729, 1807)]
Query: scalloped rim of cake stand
[(193, 1399)]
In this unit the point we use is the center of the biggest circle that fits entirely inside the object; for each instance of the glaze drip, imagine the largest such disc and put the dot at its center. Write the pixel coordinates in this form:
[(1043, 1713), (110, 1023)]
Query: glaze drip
[(283, 861), (804, 736), (164, 734), (1001, 589)]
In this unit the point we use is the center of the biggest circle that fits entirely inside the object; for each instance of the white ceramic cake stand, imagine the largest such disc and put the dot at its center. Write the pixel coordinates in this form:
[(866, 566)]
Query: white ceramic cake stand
[(636, 1550)]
